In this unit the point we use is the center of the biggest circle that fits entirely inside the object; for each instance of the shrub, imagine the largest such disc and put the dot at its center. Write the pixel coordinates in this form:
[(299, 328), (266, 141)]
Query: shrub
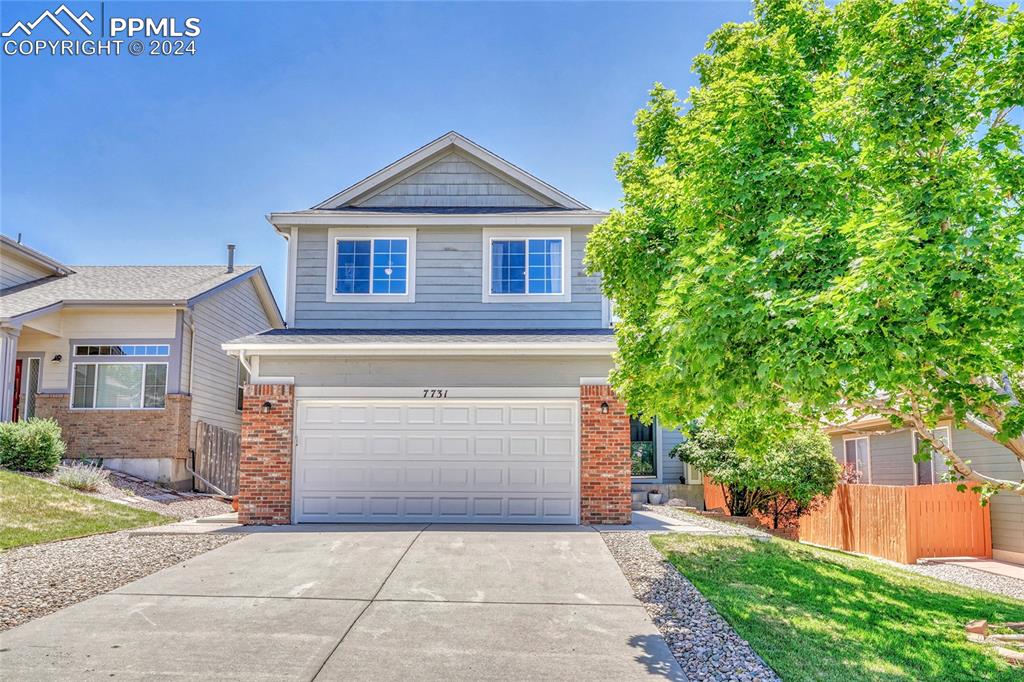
[(799, 471), (82, 476), (31, 445), (715, 455), (781, 482)]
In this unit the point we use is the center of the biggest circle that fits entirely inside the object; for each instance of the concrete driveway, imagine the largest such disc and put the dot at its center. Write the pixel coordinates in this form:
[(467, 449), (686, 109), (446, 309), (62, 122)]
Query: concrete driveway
[(358, 603)]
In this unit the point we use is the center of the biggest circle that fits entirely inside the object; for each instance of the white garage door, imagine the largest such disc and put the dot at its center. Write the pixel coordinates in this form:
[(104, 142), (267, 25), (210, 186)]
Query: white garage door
[(471, 461)]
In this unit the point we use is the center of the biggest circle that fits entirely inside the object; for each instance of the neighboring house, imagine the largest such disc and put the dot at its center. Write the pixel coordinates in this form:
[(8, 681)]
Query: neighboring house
[(126, 358), (446, 358), (885, 456)]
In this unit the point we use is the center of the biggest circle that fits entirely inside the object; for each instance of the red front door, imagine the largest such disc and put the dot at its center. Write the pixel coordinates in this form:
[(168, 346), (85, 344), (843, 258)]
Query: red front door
[(17, 390)]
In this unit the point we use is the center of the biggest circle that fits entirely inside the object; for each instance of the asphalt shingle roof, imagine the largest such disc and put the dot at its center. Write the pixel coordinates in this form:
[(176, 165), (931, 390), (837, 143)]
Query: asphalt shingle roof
[(385, 336), (118, 284)]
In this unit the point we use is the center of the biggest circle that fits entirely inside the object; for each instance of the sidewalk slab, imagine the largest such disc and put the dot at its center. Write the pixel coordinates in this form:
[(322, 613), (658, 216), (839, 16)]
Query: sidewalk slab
[(129, 637)]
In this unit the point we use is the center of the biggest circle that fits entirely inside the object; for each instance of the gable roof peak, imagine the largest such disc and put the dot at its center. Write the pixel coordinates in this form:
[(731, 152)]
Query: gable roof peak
[(452, 141)]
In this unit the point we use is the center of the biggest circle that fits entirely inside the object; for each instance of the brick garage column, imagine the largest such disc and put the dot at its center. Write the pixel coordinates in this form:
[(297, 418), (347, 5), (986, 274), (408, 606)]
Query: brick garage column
[(604, 458), (265, 467)]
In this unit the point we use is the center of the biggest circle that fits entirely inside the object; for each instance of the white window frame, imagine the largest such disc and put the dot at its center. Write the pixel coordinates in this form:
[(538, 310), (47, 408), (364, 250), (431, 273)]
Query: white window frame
[(866, 474), (338, 234), (525, 234), (931, 460), (142, 397)]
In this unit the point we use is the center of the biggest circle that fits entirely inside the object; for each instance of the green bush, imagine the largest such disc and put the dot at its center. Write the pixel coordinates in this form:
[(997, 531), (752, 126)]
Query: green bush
[(31, 445), (782, 481)]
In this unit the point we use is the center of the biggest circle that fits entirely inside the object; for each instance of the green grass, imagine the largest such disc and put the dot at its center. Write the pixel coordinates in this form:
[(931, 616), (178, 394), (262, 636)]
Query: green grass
[(34, 511), (813, 614)]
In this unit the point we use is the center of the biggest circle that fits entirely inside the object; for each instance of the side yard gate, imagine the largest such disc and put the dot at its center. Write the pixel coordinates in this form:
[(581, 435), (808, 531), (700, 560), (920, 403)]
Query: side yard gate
[(217, 458)]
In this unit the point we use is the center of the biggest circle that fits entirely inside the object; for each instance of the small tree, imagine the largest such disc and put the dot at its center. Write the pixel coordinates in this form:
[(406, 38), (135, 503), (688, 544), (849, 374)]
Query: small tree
[(800, 471), (739, 475)]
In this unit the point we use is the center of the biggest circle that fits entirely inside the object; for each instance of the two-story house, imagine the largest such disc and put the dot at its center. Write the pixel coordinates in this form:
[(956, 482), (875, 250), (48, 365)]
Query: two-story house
[(446, 358), (126, 358)]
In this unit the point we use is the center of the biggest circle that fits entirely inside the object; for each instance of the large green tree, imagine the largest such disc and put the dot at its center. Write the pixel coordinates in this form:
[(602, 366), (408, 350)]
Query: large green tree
[(830, 227)]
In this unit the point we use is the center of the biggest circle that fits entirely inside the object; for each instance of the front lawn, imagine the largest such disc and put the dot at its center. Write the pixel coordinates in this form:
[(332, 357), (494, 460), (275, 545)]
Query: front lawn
[(34, 511), (813, 614)]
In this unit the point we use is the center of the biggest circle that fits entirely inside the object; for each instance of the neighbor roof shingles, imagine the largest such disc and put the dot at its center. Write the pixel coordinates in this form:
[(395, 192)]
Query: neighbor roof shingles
[(118, 284)]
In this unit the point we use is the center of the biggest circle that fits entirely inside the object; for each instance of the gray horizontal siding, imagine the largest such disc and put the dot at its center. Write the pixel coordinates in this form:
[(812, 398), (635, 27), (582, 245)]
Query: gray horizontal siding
[(449, 289), (1007, 509), (452, 180), (671, 468), (440, 372), (228, 315)]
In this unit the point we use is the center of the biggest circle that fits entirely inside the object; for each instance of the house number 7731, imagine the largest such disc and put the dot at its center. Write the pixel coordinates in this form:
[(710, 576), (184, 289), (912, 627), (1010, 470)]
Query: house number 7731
[(435, 393)]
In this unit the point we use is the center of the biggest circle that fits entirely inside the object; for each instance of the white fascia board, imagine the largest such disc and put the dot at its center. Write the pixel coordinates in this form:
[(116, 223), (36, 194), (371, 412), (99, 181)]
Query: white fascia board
[(286, 221), (394, 349)]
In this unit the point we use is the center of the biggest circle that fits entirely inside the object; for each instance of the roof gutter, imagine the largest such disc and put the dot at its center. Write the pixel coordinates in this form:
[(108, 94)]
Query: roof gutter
[(395, 349)]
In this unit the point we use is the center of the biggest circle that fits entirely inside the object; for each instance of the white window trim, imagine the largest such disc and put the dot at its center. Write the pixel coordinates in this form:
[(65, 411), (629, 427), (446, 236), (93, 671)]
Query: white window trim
[(142, 402), (931, 460), (502, 233), (868, 439), (339, 233)]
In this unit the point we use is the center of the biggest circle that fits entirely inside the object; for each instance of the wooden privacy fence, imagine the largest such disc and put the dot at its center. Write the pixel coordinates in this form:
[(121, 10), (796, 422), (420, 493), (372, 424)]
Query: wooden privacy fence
[(217, 456), (901, 523)]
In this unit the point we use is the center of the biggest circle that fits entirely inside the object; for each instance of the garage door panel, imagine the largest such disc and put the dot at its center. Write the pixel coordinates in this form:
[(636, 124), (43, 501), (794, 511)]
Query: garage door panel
[(484, 461)]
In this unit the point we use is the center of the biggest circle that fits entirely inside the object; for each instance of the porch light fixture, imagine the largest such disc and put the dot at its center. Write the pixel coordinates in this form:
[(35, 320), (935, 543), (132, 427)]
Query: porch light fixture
[(267, 406), (56, 359), (604, 408)]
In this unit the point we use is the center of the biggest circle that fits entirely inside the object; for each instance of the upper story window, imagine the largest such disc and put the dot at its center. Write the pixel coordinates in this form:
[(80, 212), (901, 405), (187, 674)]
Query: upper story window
[(372, 265), (529, 265), (526, 266)]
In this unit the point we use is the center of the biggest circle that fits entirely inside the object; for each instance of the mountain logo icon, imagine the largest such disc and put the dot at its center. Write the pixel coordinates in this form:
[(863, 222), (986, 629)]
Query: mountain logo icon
[(77, 20)]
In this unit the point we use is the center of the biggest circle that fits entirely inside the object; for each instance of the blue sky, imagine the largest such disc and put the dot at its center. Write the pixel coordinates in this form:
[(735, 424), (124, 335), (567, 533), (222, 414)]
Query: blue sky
[(154, 160)]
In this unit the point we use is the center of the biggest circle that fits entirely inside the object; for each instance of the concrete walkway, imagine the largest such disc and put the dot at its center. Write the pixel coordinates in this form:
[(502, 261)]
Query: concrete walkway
[(360, 603)]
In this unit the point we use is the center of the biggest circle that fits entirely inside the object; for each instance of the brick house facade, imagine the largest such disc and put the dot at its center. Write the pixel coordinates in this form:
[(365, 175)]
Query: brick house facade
[(604, 457), (121, 433), (265, 474), (265, 483)]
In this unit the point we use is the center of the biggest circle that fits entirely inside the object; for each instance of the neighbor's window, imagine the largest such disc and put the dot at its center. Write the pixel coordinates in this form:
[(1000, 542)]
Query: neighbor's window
[(526, 266), (152, 350), (243, 379), (119, 386), (856, 452), (372, 266), (931, 470)]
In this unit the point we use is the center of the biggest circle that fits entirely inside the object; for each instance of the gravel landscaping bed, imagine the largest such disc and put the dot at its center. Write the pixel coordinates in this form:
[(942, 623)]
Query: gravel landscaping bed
[(704, 644), (40, 579), (141, 494), (967, 577)]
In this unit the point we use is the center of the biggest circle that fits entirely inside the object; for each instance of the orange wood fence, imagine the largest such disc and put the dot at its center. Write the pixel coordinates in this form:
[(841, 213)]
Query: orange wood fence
[(714, 498), (900, 523)]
